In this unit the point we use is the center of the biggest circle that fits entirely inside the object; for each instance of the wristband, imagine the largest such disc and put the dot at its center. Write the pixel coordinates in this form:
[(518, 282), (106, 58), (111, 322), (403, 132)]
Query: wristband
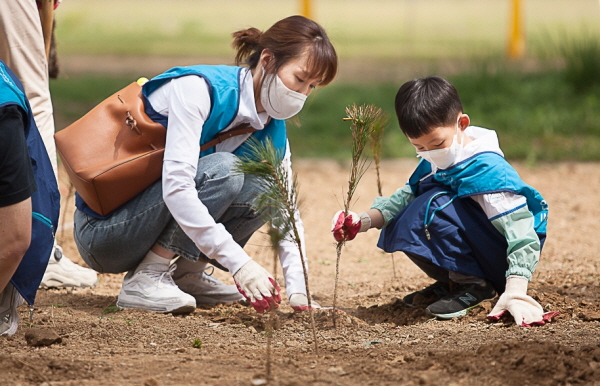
[(365, 222)]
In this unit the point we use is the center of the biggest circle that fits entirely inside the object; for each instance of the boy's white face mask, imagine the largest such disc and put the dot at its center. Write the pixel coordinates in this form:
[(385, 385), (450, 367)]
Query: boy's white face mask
[(446, 157), (279, 101)]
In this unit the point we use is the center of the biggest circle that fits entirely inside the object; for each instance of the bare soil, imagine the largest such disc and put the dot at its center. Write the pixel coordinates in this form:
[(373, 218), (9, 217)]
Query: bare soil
[(378, 341)]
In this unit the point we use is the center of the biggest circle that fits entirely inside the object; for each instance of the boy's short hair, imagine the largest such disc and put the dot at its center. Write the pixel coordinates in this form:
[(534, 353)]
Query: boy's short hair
[(426, 103)]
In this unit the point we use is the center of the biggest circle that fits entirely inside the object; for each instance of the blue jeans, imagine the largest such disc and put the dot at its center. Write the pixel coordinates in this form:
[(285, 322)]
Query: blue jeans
[(120, 242)]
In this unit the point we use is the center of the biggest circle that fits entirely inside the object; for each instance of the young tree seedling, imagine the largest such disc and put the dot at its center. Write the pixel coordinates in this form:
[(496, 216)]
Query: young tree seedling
[(278, 203), (363, 120)]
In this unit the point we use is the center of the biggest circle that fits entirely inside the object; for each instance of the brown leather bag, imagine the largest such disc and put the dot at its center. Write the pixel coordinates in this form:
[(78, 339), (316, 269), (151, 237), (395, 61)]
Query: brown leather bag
[(115, 151)]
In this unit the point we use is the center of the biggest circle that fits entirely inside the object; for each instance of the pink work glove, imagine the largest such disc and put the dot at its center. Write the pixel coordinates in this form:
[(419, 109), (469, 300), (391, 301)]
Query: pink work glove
[(346, 228), (524, 309), (258, 286), (299, 302)]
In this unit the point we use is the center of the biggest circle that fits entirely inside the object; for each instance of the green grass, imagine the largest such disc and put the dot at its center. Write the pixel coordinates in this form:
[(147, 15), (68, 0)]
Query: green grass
[(538, 116), (423, 29)]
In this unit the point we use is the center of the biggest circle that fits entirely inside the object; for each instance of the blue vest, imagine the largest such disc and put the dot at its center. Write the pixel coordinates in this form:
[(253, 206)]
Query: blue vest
[(224, 88), (45, 201), (486, 173), (443, 225)]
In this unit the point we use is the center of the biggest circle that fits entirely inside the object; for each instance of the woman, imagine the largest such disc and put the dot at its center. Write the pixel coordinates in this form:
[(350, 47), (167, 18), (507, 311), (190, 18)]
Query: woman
[(202, 208)]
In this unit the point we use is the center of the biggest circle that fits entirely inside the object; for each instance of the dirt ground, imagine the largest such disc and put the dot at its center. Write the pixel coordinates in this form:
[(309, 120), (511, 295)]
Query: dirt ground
[(378, 341)]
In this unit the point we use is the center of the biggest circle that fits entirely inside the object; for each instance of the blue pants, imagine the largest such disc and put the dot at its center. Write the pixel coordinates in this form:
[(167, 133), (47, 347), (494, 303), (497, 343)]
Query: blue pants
[(462, 238), (118, 243)]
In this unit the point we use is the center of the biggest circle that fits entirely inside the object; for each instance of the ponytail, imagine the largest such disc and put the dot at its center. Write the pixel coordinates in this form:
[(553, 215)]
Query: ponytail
[(288, 39), (246, 43)]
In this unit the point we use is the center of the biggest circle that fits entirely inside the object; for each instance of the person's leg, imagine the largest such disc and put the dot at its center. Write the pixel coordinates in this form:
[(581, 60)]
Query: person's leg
[(460, 247), (241, 221), (433, 271), (120, 242), (433, 292), (125, 241), (22, 48)]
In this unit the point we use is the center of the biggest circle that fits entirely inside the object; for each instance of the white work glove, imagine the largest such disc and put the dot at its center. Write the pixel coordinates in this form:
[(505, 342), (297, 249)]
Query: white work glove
[(524, 309), (346, 228), (299, 302), (258, 286)]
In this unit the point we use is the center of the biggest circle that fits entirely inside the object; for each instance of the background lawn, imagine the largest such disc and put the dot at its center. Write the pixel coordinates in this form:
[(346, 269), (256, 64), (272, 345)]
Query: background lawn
[(544, 106)]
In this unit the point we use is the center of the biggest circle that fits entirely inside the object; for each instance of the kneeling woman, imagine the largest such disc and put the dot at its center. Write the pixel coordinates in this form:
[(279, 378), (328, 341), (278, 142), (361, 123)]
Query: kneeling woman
[(201, 209)]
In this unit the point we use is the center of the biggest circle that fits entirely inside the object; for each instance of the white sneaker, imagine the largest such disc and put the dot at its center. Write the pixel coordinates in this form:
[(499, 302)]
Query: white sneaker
[(152, 288), (63, 273), (207, 289), (10, 299)]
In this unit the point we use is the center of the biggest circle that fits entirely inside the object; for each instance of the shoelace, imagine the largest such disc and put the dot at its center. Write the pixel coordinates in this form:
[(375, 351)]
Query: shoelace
[(208, 276), (164, 275)]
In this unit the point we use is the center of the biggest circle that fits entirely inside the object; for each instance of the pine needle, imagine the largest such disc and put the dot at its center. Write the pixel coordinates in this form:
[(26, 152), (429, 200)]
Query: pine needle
[(376, 146), (278, 203), (364, 119)]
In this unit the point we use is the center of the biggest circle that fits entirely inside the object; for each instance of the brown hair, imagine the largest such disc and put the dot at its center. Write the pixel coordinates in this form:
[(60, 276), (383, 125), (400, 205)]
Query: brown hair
[(288, 39)]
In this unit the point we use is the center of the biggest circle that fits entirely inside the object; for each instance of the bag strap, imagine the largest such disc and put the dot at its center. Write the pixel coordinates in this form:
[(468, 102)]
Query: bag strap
[(243, 128)]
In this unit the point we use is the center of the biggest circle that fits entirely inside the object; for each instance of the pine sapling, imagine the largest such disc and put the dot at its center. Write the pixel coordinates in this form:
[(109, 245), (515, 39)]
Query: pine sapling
[(363, 120), (274, 237), (278, 203)]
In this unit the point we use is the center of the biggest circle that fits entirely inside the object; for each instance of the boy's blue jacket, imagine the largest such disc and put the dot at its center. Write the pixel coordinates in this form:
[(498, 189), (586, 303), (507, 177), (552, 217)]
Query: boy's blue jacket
[(486, 173), (45, 201), (453, 232), (224, 87)]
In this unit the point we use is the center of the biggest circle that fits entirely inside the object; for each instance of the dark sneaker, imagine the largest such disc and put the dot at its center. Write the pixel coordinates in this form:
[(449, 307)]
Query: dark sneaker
[(428, 294), (460, 300)]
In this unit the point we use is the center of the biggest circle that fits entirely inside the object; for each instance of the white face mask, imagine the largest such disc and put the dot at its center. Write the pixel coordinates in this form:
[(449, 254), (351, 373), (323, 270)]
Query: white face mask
[(446, 157), (279, 101)]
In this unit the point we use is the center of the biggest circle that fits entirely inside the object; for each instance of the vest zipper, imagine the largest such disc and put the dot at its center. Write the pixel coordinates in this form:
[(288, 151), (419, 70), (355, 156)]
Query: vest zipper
[(427, 219), (45, 220)]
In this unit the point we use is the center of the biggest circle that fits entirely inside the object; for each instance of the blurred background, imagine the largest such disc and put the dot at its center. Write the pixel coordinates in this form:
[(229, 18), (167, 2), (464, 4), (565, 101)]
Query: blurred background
[(529, 69)]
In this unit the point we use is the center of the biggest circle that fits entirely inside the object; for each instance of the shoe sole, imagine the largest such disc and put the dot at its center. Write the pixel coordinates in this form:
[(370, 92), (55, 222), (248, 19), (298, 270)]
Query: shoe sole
[(215, 299), (62, 285), (457, 314), (185, 309), (58, 281)]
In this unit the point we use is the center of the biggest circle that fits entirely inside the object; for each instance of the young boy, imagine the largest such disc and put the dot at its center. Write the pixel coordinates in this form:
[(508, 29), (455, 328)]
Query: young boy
[(464, 217)]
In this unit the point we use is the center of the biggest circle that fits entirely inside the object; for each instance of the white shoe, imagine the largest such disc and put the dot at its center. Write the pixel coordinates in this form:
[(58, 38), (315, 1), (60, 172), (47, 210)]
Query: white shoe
[(207, 289), (10, 299), (152, 288), (63, 273), (299, 302)]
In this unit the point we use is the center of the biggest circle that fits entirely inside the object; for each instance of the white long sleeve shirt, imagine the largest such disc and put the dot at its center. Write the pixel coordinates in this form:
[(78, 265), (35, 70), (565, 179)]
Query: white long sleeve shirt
[(186, 101)]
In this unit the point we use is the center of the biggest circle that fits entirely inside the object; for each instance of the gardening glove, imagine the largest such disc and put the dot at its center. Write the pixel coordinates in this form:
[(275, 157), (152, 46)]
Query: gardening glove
[(524, 309), (258, 286), (346, 228), (299, 302)]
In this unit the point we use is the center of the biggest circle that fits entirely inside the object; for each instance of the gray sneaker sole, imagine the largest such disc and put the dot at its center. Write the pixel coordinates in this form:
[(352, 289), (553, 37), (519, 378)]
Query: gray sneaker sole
[(456, 314), (130, 302), (214, 299)]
